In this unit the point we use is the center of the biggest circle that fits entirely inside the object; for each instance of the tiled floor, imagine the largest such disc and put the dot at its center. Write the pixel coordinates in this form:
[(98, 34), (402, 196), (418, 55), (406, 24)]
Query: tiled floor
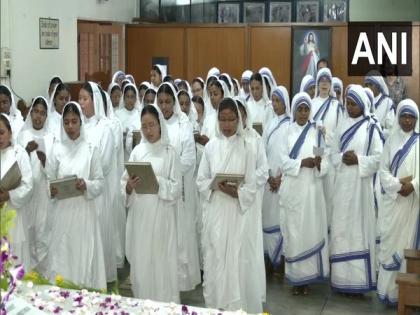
[(280, 301)]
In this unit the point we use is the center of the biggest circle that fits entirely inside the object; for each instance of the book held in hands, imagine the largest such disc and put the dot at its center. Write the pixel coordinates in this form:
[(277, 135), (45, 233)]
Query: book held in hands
[(148, 182), (11, 179), (66, 187), (230, 179), (258, 128)]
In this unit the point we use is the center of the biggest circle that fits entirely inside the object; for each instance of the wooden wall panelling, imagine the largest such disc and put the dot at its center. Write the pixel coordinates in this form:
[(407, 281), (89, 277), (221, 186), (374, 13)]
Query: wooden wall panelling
[(144, 43), (270, 46), (213, 46)]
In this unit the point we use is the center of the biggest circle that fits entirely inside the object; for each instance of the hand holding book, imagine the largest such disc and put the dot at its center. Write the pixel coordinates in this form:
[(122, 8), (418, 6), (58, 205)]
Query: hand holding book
[(132, 183)]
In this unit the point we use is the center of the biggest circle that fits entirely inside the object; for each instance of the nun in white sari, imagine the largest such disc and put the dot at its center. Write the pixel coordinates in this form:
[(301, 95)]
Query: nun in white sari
[(274, 134), (98, 131), (59, 97), (303, 217), (181, 138), (252, 250), (399, 221), (260, 108), (225, 212), (8, 107), (308, 85), (75, 251), (151, 235), (38, 142), (16, 198), (356, 152)]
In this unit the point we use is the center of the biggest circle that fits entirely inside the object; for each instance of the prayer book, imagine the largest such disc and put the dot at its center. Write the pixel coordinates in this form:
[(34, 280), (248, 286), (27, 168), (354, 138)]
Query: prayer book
[(318, 151), (124, 138), (136, 137), (66, 187), (258, 127), (230, 179), (11, 179), (148, 182)]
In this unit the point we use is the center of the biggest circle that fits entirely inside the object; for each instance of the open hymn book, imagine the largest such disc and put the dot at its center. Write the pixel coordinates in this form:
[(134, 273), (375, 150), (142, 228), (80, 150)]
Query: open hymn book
[(230, 179), (66, 187), (148, 182), (11, 179)]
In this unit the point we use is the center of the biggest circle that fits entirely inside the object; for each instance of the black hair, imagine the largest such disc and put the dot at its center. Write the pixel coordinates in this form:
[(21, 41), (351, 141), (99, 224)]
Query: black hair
[(322, 60), (150, 109), (71, 107), (55, 80), (228, 103), (166, 88), (104, 101), (5, 91), (241, 106), (211, 80), (124, 83), (41, 100), (183, 92), (267, 86), (156, 68), (130, 88), (87, 87), (115, 87), (235, 84), (61, 87), (198, 99), (184, 84), (226, 80), (199, 82), (257, 77), (6, 122), (150, 91), (143, 87), (167, 78), (217, 84)]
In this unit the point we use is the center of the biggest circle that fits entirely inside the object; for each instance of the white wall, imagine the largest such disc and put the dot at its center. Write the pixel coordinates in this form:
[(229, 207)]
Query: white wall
[(32, 68)]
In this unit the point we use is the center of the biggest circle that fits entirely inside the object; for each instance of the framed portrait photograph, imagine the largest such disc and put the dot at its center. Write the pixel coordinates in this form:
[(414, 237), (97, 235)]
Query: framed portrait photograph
[(335, 10), (309, 44), (228, 12), (254, 12), (149, 10), (307, 11), (280, 12)]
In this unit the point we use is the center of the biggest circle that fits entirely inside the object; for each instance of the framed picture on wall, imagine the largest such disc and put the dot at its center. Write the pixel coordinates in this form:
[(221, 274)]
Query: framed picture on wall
[(335, 10), (280, 12), (209, 12), (149, 11), (167, 10), (254, 12), (307, 11), (309, 44), (228, 12)]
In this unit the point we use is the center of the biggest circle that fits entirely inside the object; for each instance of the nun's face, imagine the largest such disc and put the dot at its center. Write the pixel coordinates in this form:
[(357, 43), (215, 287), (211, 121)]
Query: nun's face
[(199, 110), (216, 96), (150, 128), (166, 104), (38, 116), (155, 78), (324, 86), (407, 122), (373, 87), (311, 91), (278, 105), (4, 104), (302, 114), (245, 86), (142, 90), (115, 97), (185, 103), (196, 89), (353, 109), (256, 90), (86, 103), (338, 93), (228, 122), (149, 99), (72, 123), (60, 99), (5, 136), (129, 99)]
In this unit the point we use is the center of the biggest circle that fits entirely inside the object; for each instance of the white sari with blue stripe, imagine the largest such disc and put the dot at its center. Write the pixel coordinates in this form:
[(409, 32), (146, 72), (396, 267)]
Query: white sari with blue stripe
[(303, 217), (352, 238), (399, 221)]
